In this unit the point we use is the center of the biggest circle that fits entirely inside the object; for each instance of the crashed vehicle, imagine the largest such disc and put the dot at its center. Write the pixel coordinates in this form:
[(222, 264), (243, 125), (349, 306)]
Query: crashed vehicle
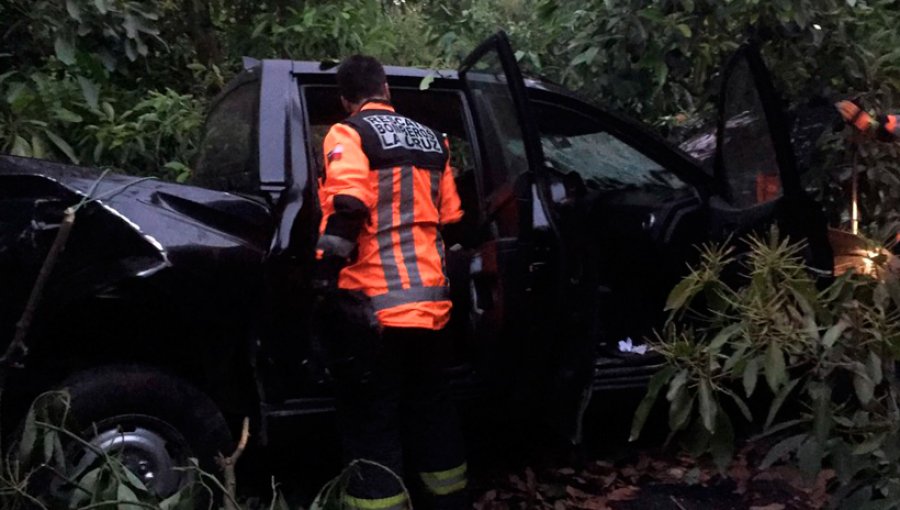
[(175, 310)]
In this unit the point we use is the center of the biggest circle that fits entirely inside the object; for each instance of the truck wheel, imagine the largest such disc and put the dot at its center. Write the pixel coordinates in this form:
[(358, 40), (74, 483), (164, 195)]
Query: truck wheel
[(154, 421)]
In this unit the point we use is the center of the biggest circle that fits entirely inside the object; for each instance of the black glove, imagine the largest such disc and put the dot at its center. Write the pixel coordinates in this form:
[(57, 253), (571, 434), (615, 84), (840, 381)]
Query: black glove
[(326, 272), (347, 334)]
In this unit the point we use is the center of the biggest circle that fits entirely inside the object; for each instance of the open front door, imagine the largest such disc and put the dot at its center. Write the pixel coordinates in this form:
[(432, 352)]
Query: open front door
[(504, 264), (516, 273), (755, 167)]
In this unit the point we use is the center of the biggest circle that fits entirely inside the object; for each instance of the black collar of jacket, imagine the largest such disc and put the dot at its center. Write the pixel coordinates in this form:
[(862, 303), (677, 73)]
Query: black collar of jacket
[(376, 101)]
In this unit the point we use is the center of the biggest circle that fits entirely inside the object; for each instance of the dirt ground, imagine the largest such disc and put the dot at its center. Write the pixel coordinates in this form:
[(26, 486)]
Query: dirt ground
[(651, 480)]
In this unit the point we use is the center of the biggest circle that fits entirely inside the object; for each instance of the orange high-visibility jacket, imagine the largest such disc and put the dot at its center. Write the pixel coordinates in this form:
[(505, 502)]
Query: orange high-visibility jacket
[(398, 172)]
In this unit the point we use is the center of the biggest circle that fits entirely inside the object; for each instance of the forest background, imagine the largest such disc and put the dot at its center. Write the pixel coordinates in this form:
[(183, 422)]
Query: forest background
[(125, 83)]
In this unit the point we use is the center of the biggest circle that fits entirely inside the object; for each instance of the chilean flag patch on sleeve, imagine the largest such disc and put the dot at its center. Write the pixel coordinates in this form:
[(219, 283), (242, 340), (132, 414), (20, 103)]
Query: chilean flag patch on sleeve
[(335, 153)]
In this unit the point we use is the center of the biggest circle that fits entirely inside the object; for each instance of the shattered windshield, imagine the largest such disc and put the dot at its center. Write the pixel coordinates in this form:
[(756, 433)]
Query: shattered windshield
[(605, 162)]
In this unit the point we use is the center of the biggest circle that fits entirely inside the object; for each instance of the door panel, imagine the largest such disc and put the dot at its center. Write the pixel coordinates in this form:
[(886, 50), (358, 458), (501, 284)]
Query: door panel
[(507, 261), (754, 166)]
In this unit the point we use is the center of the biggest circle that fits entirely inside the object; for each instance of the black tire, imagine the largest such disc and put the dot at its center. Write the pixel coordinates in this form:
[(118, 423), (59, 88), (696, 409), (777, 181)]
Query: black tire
[(154, 406)]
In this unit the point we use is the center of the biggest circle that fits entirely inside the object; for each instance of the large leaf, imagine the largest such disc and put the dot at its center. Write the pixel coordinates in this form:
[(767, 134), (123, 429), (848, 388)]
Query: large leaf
[(862, 384), (90, 91), (640, 415), (680, 409), (750, 376), (834, 332), (29, 436), (708, 406), (65, 49), (62, 145), (778, 401), (775, 370), (781, 449)]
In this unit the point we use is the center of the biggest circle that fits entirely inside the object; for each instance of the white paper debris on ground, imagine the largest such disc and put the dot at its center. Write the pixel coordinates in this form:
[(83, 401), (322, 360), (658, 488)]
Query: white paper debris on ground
[(628, 345)]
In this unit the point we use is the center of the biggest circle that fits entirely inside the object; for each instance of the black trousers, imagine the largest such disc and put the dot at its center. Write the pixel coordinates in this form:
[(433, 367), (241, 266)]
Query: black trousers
[(402, 418)]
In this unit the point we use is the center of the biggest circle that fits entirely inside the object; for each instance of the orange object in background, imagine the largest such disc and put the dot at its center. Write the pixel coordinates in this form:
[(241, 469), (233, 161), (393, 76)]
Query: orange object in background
[(768, 187)]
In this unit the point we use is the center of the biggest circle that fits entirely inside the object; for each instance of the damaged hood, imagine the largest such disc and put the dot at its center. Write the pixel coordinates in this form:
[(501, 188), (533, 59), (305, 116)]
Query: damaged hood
[(179, 225)]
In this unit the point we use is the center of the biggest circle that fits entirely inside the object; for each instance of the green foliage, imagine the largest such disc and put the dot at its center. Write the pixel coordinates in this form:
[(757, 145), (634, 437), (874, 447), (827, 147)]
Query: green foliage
[(38, 472), (654, 59), (822, 362)]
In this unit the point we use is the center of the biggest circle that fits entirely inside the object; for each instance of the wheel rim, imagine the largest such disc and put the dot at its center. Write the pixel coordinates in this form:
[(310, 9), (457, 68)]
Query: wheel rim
[(148, 447)]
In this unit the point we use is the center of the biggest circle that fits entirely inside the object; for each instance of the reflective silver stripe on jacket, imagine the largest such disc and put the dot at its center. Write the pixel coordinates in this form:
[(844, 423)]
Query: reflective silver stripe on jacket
[(335, 245), (385, 227), (436, 200), (394, 298), (407, 219)]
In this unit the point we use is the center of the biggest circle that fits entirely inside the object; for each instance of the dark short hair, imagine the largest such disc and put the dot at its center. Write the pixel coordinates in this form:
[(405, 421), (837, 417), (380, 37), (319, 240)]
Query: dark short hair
[(360, 77)]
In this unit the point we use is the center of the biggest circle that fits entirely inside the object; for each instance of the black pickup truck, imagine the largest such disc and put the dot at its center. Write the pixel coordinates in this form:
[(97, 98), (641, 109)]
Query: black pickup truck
[(177, 309)]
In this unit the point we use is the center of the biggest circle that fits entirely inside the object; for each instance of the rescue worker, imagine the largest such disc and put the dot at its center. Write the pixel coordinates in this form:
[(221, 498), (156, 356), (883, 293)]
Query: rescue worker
[(882, 127), (386, 192)]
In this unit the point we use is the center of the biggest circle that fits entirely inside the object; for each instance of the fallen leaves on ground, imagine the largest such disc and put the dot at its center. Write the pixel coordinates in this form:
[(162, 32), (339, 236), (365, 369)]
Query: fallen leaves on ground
[(655, 481)]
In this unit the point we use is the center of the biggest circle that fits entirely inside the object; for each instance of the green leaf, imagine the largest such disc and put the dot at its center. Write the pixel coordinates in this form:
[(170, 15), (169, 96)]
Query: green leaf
[(822, 420), (67, 116), (29, 436), (873, 367), (677, 384), (38, 146), (585, 57), (741, 405), (872, 443), (723, 336), (708, 406), (90, 91), (65, 49), (834, 332), (680, 409), (133, 481), (48, 443), (21, 147), (181, 500), (775, 370), (862, 384), (62, 145), (640, 415), (427, 80), (126, 497), (87, 486), (681, 294), (73, 10), (782, 448), (685, 30), (750, 376), (778, 401), (101, 6)]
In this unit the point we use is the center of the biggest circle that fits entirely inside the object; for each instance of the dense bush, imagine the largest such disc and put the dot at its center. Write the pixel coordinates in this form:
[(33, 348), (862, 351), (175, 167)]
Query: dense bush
[(68, 62), (819, 364)]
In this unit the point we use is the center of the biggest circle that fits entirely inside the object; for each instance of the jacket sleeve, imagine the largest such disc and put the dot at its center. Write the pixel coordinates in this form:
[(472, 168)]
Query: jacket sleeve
[(346, 194), (450, 209)]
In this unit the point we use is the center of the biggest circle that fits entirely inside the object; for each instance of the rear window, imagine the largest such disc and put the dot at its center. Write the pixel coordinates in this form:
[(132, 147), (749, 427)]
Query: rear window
[(227, 159)]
